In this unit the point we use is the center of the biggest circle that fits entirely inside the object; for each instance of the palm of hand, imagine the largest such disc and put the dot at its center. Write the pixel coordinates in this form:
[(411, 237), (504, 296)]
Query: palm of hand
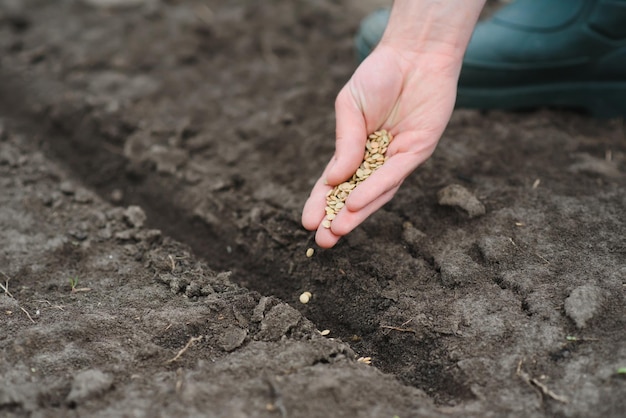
[(410, 96)]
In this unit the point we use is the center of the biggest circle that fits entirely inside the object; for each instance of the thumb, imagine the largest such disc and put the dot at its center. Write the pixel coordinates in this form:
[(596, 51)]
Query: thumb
[(351, 135)]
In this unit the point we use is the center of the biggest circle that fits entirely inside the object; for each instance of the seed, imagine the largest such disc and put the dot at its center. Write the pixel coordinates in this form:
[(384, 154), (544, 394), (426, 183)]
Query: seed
[(373, 157), (325, 332), (305, 297), (366, 360), (309, 252), (343, 186)]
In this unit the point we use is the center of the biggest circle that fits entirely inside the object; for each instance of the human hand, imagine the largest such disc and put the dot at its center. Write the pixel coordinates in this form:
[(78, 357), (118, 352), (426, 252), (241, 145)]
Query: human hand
[(411, 95)]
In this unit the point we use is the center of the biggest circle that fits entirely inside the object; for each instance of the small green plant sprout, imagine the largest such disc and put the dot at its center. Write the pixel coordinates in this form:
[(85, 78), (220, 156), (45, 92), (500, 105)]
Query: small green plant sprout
[(572, 338), (75, 288), (621, 370)]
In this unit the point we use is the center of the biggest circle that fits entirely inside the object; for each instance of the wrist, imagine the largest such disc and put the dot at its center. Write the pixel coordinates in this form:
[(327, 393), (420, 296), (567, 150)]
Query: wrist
[(437, 27)]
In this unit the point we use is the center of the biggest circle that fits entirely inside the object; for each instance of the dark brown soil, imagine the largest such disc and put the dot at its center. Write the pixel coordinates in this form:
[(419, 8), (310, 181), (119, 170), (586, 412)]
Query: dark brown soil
[(157, 155)]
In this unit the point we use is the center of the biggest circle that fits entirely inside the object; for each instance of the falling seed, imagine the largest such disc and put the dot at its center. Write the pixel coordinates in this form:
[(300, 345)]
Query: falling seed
[(325, 332), (310, 252), (305, 297), (536, 183)]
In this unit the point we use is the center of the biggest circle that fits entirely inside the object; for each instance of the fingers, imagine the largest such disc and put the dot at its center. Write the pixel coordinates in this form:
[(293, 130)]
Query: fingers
[(351, 135), (347, 220), (325, 238), (368, 197), (405, 155), (313, 212), (387, 177)]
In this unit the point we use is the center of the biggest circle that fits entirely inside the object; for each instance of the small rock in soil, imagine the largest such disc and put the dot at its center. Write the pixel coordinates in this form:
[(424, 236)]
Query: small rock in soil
[(167, 159), (83, 196), (88, 384), (67, 187), (456, 268), (278, 321), (259, 310), (117, 195), (232, 338), (583, 304), (9, 157), (135, 216), (459, 196), (411, 235)]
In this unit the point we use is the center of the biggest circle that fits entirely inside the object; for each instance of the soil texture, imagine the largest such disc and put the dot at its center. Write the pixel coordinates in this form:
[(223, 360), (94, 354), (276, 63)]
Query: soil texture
[(154, 159)]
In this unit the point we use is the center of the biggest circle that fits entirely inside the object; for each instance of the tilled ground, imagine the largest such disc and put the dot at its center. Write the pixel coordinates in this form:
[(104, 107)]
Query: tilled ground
[(492, 285)]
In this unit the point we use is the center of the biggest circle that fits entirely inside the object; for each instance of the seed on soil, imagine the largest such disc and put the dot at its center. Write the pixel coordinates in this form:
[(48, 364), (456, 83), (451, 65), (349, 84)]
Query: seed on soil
[(310, 252), (365, 360), (325, 332), (305, 297), (375, 148)]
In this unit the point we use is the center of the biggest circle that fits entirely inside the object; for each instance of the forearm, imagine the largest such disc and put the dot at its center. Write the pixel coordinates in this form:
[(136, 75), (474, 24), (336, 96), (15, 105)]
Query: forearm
[(441, 27)]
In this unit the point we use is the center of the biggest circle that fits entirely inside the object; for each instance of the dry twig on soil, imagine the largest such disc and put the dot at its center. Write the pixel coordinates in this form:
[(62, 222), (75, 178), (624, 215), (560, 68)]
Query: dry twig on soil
[(5, 287), (28, 315), (537, 385), (401, 327), (182, 350)]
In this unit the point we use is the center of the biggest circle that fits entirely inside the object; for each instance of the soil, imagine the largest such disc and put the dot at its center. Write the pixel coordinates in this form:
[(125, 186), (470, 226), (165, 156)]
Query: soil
[(154, 159)]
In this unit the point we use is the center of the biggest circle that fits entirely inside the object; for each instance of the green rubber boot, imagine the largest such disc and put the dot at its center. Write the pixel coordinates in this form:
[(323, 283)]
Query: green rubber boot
[(534, 53)]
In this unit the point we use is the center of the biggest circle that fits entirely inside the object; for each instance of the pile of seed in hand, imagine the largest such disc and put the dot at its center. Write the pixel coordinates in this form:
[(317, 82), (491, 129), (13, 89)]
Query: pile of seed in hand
[(375, 149)]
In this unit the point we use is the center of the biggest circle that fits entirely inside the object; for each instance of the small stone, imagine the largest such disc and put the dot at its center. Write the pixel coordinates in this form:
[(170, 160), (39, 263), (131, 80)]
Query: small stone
[(135, 216), (117, 195), (278, 321), (88, 384), (458, 196), (583, 304), (67, 187), (259, 310), (232, 338), (456, 268), (412, 235), (83, 196)]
